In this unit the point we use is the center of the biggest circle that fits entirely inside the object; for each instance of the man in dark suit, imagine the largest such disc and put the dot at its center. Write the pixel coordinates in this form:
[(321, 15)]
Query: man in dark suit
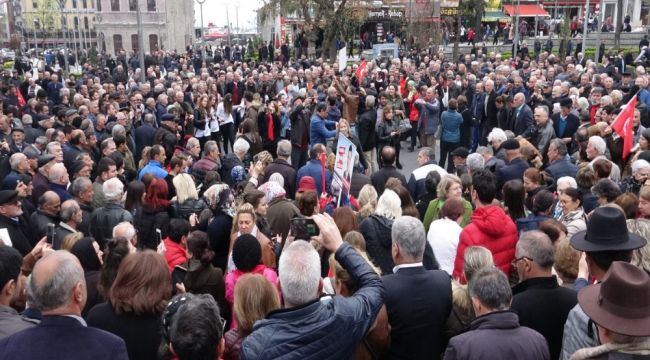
[(490, 111), (418, 301), (524, 124), (144, 135), (559, 163), (235, 86), (281, 166), (62, 333), (515, 164), (541, 303), (366, 128), (387, 170), (565, 123)]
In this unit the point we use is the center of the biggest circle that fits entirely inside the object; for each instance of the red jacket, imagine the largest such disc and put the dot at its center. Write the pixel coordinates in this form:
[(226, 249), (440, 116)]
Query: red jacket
[(175, 254), (493, 229)]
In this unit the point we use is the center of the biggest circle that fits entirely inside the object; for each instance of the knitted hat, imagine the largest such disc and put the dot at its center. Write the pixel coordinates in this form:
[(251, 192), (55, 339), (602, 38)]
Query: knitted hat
[(306, 183), (246, 253)]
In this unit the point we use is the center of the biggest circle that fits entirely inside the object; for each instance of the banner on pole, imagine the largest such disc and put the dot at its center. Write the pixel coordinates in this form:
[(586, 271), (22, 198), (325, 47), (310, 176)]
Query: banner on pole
[(343, 167)]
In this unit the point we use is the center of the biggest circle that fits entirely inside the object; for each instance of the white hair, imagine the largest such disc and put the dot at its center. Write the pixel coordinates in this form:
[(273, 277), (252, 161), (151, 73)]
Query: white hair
[(124, 229), (113, 190), (567, 180), (639, 165), (408, 233), (389, 205), (299, 271), (497, 134), (241, 146), (598, 143), (475, 161)]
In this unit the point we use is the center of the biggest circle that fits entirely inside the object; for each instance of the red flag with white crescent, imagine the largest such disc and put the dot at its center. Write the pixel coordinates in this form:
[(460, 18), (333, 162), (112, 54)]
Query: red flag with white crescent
[(623, 125), (362, 70)]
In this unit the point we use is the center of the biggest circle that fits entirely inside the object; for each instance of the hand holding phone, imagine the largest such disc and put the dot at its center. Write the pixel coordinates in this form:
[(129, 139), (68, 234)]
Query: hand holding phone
[(304, 228)]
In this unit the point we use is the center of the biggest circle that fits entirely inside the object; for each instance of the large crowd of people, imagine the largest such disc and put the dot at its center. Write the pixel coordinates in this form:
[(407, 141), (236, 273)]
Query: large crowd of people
[(152, 219)]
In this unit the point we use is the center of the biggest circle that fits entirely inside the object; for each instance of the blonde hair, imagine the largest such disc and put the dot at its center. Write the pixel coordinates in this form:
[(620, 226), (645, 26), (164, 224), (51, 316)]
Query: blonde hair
[(341, 275), (185, 188), (475, 259), (244, 208), (71, 239), (368, 200), (445, 184), (254, 297), (338, 128)]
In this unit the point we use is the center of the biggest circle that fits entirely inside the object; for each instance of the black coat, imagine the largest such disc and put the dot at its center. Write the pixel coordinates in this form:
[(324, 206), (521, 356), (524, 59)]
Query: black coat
[(287, 171), (418, 304), (544, 306), (19, 233), (218, 229), (380, 178), (146, 221), (38, 224), (367, 130), (513, 170), (144, 136), (141, 333), (573, 123)]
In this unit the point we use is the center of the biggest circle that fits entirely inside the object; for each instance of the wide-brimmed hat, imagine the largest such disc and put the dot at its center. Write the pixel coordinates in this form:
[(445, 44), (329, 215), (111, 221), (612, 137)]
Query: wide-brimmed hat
[(621, 303), (606, 231)]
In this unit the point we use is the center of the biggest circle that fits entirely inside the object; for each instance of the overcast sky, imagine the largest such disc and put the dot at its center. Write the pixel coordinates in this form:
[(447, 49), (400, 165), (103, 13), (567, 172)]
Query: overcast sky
[(214, 11)]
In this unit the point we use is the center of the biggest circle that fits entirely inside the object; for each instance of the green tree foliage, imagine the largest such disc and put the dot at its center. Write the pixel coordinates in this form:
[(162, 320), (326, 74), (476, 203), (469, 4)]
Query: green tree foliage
[(45, 17)]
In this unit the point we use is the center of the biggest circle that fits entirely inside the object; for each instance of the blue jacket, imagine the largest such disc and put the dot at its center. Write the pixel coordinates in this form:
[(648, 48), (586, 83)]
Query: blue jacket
[(318, 131), (644, 97), (429, 116), (154, 168), (451, 121), (63, 337), (327, 328), (562, 167), (314, 169)]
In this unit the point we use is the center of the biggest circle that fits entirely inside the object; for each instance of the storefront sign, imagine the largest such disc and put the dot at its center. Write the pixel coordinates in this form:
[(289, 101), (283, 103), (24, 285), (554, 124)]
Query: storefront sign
[(448, 11), (385, 13)]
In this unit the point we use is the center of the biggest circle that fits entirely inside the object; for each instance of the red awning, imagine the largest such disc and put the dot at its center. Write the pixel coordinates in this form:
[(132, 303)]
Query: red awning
[(527, 10)]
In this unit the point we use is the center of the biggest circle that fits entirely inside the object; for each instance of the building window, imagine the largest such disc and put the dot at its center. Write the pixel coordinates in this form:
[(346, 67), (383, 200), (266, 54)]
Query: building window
[(99, 5), (35, 4), (151, 5), (117, 43), (132, 5), (74, 4), (153, 43), (86, 23), (76, 23), (115, 5), (85, 4), (134, 42)]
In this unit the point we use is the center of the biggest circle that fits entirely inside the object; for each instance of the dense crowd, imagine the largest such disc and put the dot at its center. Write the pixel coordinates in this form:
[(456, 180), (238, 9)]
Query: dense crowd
[(153, 219)]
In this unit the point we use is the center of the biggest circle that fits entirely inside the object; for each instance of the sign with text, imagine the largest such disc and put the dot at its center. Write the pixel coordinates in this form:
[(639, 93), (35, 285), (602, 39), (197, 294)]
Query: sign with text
[(385, 13), (343, 167)]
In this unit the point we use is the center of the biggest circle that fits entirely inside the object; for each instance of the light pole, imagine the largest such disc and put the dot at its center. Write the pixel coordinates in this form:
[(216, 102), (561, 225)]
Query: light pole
[(140, 41), (228, 25), (600, 25), (201, 2), (516, 44), (584, 30)]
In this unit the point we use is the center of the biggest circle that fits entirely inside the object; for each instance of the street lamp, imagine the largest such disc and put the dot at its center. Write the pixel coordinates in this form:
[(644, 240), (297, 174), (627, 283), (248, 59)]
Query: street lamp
[(201, 2)]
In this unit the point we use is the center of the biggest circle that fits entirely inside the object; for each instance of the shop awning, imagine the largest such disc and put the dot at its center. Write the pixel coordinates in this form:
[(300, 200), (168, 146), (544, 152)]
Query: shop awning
[(494, 15), (526, 10)]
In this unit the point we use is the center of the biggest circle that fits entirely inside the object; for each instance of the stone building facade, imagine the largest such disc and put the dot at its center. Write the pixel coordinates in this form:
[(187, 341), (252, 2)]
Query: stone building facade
[(166, 24)]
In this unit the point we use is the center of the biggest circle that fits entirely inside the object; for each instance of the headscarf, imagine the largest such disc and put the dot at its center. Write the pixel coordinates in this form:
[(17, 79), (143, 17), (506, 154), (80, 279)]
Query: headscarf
[(238, 174), (219, 197), (272, 190), (278, 178)]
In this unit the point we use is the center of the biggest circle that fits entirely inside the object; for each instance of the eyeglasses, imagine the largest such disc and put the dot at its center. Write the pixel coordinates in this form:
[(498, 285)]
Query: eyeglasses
[(517, 260)]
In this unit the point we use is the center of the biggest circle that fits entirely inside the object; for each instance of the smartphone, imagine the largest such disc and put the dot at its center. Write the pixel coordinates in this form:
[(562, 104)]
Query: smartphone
[(51, 235), (304, 228), (158, 236)]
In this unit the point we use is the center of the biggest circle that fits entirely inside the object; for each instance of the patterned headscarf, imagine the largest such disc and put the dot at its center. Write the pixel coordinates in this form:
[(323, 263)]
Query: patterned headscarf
[(238, 173), (272, 190)]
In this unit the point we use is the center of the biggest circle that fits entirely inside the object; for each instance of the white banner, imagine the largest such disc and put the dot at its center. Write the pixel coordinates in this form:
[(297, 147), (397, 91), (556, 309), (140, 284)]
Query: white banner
[(343, 59)]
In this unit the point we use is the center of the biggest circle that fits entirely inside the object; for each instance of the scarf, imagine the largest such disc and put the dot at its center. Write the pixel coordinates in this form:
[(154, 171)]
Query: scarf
[(639, 348), (269, 127)]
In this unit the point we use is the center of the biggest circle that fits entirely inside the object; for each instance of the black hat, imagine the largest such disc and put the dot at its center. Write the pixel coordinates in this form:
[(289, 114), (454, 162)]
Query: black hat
[(8, 196), (510, 144), (31, 152), (246, 252), (296, 98), (44, 159), (61, 111), (606, 231), (10, 182), (566, 102), (125, 107), (41, 93), (168, 117), (18, 128), (461, 152)]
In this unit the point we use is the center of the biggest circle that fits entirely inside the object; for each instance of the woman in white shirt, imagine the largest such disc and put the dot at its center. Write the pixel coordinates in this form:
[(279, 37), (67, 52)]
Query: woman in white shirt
[(444, 233), (213, 122), (225, 116)]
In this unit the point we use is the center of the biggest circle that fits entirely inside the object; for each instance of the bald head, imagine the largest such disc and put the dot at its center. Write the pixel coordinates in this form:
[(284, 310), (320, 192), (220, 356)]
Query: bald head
[(57, 285), (388, 155)]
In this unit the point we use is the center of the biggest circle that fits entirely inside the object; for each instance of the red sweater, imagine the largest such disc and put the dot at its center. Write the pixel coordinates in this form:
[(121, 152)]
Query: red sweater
[(175, 254), (493, 229)]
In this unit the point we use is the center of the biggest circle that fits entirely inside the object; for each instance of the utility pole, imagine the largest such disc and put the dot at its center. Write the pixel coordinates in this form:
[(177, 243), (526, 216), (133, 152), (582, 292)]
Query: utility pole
[(228, 24), (598, 32), (140, 41), (584, 30), (237, 18), (516, 44)]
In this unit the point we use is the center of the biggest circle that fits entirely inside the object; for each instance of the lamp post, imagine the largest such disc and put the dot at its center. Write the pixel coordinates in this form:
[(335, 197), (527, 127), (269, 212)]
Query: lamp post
[(584, 30), (516, 44), (140, 41), (201, 2)]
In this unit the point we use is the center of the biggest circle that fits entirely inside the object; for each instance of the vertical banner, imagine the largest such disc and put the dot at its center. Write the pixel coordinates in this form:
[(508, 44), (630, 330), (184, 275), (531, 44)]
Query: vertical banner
[(343, 58), (343, 167)]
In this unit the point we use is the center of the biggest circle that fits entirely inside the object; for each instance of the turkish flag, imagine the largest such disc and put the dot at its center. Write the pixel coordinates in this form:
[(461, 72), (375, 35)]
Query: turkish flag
[(21, 100), (362, 71), (623, 125)]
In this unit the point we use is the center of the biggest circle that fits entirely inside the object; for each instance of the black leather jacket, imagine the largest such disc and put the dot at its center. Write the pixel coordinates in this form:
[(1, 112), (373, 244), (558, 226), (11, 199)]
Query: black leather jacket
[(104, 219), (187, 208)]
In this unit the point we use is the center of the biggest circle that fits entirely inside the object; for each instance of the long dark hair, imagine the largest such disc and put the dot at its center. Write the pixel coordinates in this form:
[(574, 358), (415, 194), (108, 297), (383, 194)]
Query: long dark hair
[(513, 198), (199, 245), (227, 103), (134, 194)]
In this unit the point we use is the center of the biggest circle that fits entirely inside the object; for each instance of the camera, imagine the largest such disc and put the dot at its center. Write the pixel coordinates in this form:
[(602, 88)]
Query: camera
[(304, 228)]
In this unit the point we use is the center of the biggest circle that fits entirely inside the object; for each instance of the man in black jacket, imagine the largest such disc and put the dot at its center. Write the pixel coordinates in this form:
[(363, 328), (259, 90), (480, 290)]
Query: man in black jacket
[(300, 124), (11, 219), (541, 303), (281, 166), (387, 170), (418, 300), (368, 134)]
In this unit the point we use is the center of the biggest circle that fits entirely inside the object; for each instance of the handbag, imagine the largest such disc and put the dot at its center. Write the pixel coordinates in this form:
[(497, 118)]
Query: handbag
[(404, 125)]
